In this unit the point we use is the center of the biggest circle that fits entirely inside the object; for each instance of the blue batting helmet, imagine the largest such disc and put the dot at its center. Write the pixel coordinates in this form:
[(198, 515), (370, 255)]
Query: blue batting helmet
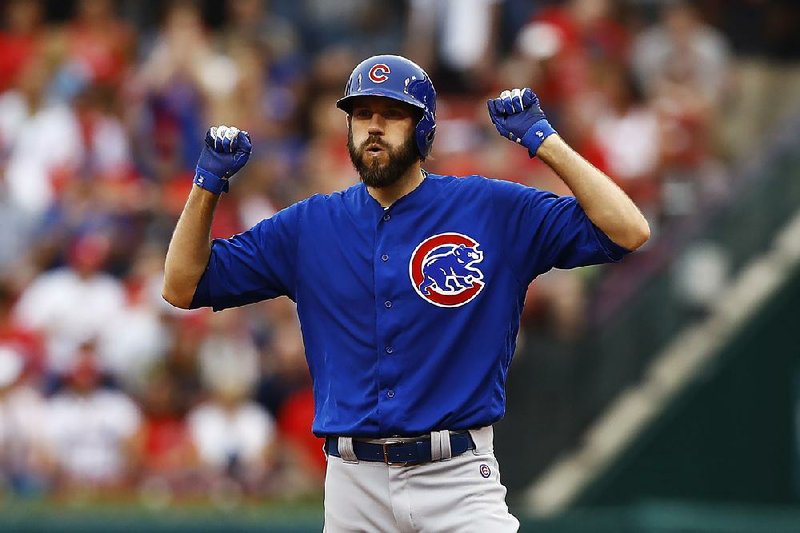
[(398, 78)]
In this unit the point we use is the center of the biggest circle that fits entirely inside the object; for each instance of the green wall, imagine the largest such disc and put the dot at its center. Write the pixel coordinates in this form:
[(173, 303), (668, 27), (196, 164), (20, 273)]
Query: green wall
[(730, 436)]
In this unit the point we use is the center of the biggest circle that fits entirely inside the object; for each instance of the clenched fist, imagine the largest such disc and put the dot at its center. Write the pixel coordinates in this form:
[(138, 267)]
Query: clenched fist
[(225, 152), (517, 116)]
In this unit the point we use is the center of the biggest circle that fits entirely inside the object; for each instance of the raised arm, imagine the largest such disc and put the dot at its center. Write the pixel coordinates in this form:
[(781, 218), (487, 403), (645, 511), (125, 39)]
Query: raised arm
[(189, 248), (225, 152), (517, 116), (606, 205)]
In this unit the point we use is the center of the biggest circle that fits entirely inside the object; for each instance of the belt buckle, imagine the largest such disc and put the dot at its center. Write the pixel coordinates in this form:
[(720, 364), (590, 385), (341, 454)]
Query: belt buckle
[(385, 446)]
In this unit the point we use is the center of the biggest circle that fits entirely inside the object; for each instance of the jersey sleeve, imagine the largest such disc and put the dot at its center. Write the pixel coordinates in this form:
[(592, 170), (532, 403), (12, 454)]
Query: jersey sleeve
[(545, 231), (255, 265)]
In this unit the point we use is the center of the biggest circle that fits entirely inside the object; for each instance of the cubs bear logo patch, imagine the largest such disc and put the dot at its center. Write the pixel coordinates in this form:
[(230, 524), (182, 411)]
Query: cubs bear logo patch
[(443, 269)]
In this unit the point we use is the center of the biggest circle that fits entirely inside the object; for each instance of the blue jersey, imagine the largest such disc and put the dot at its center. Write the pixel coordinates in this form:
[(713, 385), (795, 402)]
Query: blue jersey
[(410, 314)]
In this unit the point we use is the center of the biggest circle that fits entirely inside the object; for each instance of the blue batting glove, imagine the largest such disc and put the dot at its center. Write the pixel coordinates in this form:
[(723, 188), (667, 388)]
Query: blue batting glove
[(517, 116), (225, 152)]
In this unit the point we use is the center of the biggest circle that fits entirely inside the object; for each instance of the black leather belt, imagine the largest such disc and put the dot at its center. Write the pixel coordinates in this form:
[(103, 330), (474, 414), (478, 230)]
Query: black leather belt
[(400, 452)]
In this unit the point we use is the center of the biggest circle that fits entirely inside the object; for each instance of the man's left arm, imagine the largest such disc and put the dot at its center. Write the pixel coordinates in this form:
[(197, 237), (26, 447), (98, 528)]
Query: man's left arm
[(606, 205), (517, 116)]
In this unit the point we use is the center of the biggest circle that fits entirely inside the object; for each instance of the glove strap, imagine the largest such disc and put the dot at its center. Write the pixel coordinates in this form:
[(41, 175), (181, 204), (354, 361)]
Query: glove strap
[(536, 135), (210, 182)]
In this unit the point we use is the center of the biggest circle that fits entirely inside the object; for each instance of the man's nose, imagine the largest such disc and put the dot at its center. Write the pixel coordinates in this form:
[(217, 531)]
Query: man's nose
[(376, 124)]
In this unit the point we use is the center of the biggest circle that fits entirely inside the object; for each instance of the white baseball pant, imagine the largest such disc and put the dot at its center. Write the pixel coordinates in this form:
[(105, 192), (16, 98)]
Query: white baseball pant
[(460, 494)]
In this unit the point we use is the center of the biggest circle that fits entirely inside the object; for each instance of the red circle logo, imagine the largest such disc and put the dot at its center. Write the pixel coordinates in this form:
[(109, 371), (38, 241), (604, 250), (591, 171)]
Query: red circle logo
[(379, 72), (444, 269)]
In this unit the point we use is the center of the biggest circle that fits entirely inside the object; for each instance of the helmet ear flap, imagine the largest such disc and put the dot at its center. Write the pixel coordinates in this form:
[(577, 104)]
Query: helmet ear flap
[(426, 131), (430, 135)]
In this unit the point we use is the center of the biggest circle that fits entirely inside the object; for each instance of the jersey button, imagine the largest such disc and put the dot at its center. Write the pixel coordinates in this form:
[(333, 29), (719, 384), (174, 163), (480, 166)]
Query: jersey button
[(387, 216), (389, 349), (387, 304), (390, 393), (384, 258)]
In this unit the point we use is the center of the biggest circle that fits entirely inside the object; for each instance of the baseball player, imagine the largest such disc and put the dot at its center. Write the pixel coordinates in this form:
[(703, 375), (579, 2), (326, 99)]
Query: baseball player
[(409, 288)]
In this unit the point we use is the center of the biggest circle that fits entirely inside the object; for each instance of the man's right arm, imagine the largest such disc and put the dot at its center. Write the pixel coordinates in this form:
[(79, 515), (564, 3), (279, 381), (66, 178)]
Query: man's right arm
[(225, 152), (189, 248)]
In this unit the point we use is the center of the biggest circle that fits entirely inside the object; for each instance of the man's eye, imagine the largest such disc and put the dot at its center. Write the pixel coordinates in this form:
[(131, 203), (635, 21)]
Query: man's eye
[(395, 113), (362, 113)]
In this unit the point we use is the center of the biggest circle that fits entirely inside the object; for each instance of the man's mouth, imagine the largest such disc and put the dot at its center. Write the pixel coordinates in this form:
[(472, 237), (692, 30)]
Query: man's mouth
[(375, 148)]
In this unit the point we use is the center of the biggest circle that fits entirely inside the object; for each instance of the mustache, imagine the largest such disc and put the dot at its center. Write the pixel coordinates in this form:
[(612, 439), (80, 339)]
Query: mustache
[(373, 139)]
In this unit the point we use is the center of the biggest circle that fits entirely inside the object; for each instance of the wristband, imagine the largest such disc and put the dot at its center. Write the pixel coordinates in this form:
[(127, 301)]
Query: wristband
[(210, 182), (536, 135)]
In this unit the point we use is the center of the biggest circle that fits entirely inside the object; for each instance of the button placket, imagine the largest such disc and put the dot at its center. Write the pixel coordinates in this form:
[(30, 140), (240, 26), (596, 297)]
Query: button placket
[(383, 253)]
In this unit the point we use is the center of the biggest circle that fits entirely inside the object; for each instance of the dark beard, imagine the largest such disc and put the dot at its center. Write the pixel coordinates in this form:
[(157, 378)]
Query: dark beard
[(376, 175)]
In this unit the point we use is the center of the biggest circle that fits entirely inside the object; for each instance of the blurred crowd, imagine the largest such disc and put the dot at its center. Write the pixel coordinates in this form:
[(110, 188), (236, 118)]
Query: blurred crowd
[(104, 388)]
